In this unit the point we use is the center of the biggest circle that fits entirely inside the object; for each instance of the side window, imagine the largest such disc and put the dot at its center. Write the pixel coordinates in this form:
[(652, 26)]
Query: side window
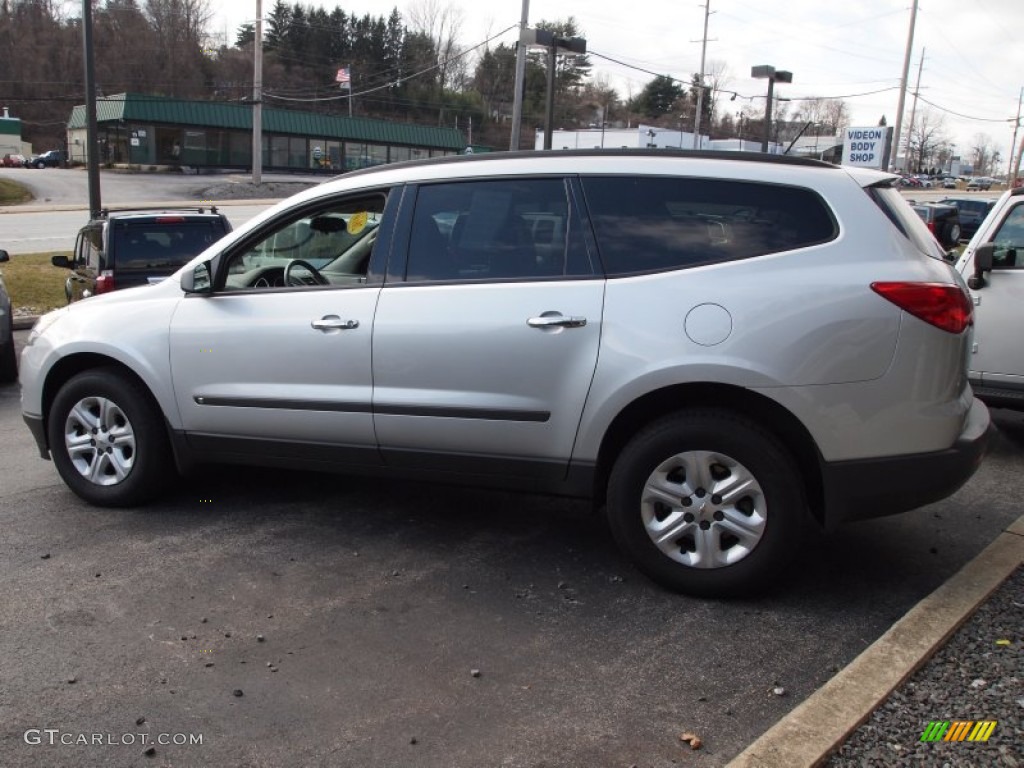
[(647, 224), (1009, 241), (93, 246), (492, 230), (329, 246)]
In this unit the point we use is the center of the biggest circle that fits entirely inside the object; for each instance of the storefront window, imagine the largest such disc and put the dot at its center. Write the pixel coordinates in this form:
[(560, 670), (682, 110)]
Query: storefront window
[(400, 153), (356, 156), (278, 152), (297, 149)]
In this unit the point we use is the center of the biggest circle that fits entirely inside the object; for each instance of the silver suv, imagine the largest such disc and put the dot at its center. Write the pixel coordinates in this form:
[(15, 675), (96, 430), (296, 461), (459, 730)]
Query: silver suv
[(719, 349)]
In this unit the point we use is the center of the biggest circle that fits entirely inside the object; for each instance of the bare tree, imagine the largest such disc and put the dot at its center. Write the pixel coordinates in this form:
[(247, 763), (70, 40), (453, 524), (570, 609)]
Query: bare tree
[(983, 154), (825, 115), (926, 136), (442, 23), (180, 27)]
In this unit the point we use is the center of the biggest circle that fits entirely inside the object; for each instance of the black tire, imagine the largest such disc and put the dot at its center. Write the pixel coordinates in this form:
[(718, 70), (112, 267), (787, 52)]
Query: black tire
[(728, 446), (951, 234), (144, 459), (8, 362)]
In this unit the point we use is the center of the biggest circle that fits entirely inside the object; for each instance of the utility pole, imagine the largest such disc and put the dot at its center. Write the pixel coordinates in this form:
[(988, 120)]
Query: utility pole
[(700, 78), (1011, 166), (895, 152), (257, 98), (91, 129), (517, 97), (913, 107)]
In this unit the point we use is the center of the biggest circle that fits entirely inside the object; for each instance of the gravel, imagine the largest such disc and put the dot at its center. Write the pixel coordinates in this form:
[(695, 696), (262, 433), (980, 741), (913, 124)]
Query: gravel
[(246, 190), (977, 675)]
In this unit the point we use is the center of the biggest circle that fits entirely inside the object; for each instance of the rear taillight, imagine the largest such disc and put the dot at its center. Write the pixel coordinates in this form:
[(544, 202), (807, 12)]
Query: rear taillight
[(105, 282), (944, 306)]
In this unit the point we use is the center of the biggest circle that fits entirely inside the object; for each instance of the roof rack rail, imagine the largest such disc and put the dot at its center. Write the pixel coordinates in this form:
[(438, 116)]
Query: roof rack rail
[(105, 212)]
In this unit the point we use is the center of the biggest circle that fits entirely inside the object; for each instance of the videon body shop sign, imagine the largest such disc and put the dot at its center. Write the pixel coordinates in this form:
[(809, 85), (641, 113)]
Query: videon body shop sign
[(867, 147)]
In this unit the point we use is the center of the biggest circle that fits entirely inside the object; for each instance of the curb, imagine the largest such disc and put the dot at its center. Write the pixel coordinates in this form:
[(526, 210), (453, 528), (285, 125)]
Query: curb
[(23, 322), (809, 734)]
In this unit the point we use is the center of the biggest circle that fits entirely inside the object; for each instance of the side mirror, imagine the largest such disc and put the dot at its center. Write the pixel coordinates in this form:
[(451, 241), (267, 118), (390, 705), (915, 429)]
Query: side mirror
[(62, 261), (197, 280), (982, 264)]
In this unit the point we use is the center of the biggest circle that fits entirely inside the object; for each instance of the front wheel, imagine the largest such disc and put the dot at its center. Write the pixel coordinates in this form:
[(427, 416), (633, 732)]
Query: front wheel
[(707, 502), (108, 439)]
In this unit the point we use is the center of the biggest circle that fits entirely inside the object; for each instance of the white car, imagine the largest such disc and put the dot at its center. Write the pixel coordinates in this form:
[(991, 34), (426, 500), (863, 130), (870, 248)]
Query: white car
[(993, 263)]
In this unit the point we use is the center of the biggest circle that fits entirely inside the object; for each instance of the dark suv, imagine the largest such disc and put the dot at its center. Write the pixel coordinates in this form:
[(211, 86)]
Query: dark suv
[(53, 158), (973, 211), (942, 220), (126, 248)]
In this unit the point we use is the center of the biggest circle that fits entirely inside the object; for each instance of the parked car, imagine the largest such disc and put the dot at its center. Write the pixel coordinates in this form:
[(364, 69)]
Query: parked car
[(53, 158), (635, 327), (980, 183), (993, 264), (8, 359), (949, 183), (13, 160), (973, 211), (943, 221), (129, 247)]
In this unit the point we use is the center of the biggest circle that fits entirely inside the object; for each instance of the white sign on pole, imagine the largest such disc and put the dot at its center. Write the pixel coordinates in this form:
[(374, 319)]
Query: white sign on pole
[(866, 147)]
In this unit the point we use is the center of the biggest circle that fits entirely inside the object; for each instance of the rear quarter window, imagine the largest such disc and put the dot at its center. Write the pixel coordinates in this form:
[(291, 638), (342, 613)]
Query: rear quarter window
[(906, 219), (647, 224)]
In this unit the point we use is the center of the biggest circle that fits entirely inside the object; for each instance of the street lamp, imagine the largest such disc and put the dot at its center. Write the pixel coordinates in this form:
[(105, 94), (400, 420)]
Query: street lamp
[(773, 76), (555, 45)]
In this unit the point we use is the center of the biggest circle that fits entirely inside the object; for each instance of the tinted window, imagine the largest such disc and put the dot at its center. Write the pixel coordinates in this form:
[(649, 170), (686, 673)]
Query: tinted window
[(484, 230), (647, 224), (162, 244), (902, 214)]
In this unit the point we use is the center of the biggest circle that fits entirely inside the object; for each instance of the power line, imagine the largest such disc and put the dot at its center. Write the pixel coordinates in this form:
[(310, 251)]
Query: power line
[(397, 82)]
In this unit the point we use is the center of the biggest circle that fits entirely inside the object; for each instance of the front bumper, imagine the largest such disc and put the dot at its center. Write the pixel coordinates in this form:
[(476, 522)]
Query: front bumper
[(865, 488)]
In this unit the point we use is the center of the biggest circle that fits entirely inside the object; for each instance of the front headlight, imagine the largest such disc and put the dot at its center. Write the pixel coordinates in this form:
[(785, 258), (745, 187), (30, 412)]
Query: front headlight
[(42, 324)]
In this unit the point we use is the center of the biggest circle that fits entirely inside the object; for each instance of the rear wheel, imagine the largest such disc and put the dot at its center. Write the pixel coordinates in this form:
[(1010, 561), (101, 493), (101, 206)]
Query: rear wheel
[(107, 439), (707, 502)]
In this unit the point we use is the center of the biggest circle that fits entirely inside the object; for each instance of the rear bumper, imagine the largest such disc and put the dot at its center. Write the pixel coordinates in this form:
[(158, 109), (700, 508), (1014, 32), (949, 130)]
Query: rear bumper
[(866, 488)]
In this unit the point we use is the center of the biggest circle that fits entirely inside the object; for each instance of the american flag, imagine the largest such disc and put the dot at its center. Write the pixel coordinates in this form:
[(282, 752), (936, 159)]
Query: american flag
[(344, 78)]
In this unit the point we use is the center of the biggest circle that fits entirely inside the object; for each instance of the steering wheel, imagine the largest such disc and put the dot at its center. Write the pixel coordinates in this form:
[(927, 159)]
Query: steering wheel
[(315, 278)]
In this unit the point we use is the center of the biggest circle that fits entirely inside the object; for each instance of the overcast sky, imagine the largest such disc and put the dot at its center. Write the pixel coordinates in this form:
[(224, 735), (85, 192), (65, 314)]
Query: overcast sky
[(973, 60)]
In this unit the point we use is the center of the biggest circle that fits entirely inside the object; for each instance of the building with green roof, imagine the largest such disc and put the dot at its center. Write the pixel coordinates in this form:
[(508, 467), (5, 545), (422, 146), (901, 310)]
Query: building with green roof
[(154, 130), (10, 136)]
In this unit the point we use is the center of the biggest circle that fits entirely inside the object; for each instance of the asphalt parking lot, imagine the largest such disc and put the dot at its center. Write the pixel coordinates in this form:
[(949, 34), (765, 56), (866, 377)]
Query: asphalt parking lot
[(300, 619)]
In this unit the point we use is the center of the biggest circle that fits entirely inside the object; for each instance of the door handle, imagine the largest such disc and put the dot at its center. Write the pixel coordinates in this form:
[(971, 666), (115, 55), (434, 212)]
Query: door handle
[(556, 320), (333, 323)]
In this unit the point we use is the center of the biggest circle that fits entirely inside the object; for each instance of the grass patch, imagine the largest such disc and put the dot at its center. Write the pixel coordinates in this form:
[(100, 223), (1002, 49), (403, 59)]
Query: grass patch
[(13, 192), (34, 283)]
